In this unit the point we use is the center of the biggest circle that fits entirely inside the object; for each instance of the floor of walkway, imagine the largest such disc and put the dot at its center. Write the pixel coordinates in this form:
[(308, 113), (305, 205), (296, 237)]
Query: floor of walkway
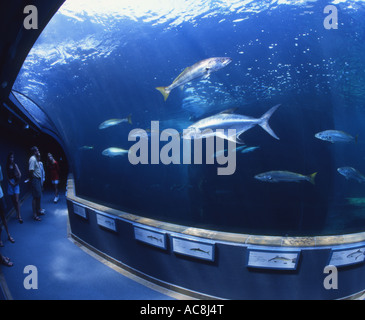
[(60, 268)]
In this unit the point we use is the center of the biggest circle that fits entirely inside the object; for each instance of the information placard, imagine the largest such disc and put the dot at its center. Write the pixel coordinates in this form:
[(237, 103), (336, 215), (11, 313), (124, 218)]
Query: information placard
[(273, 259), (193, 248), (152, 237), (345, 257), (106, 222), (80, 211)]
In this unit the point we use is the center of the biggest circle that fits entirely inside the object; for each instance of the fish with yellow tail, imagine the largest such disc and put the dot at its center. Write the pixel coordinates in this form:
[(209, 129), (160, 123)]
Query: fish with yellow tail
[(285, 176), (201, 69)]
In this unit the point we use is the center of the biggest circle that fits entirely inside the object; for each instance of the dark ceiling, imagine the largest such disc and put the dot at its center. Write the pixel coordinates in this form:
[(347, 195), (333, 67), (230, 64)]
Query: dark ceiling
[(15, 43), (15, 40)]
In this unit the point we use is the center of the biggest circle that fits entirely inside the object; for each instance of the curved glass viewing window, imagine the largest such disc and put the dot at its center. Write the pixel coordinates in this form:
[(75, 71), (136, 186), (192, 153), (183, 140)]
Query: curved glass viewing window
[(34, 111), (102, 60)]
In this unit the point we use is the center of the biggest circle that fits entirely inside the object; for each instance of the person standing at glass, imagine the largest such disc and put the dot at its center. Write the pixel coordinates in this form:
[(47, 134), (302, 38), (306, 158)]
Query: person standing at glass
[(14, 175), (55, 175), (36, 183), (2, 213), (43, 173), (43, 177)]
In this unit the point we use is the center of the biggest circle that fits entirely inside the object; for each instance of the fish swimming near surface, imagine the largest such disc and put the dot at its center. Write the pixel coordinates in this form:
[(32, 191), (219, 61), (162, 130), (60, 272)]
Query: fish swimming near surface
[(114, 152), (224, 151), (249, 149), (285, 176), (114, 122), (351, 173), (335, 136), (86, 148), (226, 121), (201, 69), (356, 201)]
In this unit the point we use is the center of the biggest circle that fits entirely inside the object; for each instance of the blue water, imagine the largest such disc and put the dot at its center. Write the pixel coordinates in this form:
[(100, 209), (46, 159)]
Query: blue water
[(95, 63)]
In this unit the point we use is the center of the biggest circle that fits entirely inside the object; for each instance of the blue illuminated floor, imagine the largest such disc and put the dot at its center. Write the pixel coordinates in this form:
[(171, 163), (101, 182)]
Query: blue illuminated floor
[(64, 270)]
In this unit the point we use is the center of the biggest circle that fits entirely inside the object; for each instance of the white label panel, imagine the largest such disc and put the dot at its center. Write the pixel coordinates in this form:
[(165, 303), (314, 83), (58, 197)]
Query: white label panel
[(157, 239), (106, 222), (193, 248), (273, 259), (80, 211), (347, 257)]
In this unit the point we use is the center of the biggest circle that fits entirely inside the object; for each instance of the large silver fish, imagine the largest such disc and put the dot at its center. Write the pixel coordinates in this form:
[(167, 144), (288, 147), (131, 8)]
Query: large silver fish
[(200, 69), (114, 122), (226, 121), (285, 176), (114, 152), (335, 136), (351, 173)]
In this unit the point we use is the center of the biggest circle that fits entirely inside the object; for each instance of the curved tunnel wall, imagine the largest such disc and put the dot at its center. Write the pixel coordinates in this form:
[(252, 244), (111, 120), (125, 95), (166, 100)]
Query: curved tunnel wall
[(209, 264), (82, 74), (312, 77)]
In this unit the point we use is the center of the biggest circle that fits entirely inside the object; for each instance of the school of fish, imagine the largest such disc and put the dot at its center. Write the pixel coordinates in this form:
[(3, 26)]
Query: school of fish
[(226, 120)]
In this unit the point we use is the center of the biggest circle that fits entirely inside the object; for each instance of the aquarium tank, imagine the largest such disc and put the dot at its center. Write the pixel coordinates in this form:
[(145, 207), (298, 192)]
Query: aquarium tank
[(95, 69)]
